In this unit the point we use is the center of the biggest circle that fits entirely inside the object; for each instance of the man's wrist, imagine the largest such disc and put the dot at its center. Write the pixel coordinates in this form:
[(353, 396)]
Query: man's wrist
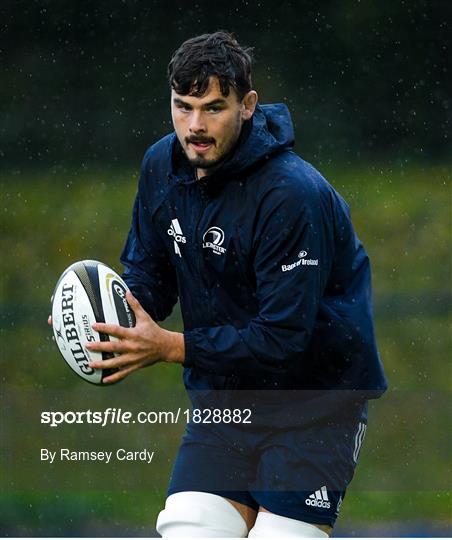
[(174, 352)]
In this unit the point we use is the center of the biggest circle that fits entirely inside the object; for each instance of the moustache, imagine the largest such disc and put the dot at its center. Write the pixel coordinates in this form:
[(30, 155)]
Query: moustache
[(199, 140)]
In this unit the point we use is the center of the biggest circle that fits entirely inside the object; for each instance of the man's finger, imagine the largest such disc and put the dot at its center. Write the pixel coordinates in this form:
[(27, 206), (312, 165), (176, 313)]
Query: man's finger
[(113, 363), (107, 346), (111, 329), (121, 374), (49, 320), (136, 306)]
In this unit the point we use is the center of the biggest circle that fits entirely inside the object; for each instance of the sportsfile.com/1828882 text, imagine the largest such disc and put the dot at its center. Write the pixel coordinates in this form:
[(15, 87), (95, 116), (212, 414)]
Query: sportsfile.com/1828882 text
[(112, 415)]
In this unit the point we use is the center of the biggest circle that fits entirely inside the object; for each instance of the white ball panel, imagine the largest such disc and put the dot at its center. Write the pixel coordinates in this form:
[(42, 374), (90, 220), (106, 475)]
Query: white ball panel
[(72, 317)]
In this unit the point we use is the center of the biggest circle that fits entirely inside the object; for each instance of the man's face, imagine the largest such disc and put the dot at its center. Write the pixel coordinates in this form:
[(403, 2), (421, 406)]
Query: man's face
[(208, 126)]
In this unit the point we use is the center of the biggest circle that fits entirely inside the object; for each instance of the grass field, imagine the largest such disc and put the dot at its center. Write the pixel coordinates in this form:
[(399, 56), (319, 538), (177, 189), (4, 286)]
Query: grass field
[(53, 218)]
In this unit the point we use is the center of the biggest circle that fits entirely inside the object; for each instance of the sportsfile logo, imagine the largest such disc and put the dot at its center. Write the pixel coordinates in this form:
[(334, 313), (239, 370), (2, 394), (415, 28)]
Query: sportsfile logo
[(213, 239), (175, 231), (319, 499), (301, 262)]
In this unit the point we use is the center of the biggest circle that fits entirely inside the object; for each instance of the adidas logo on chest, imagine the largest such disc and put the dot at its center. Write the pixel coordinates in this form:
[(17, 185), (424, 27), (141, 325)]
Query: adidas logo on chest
[(175, 230)]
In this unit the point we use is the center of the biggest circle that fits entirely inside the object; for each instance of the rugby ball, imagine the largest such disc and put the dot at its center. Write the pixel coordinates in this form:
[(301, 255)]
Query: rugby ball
[(88, 292)]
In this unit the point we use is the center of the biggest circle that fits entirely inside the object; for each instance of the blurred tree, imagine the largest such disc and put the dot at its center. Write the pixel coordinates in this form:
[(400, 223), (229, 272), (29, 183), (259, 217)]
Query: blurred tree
[(86, 81)]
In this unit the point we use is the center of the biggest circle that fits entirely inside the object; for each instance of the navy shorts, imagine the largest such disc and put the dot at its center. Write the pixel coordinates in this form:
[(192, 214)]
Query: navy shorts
[(298, 469)]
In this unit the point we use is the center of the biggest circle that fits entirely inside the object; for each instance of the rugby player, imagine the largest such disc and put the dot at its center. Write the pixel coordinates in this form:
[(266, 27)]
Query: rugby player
[(274, 288)]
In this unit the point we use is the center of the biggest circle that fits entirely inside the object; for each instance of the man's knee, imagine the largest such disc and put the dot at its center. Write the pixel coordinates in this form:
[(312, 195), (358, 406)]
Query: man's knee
[(198, 514), (273, 526)]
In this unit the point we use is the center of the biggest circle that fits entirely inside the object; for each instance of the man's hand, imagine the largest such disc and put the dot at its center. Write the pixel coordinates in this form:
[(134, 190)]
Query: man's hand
[(143, 345)]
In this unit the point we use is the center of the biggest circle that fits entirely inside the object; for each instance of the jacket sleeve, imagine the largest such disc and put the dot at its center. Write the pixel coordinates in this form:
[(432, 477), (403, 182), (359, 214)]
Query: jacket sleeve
[(291, 265), (148, 271)]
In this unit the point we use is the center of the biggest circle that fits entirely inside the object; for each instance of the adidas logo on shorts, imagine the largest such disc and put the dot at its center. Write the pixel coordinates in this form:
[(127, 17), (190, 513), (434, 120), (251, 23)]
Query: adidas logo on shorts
[(319, 499)]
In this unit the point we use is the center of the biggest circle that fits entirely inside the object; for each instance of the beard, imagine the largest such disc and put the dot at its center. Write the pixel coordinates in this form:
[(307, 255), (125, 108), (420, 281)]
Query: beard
[(225, 148), (201, 162)]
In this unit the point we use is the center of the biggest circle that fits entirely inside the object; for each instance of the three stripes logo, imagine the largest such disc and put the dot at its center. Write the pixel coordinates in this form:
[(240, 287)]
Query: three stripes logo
[(359, 438), (175, 231), (319, 499)]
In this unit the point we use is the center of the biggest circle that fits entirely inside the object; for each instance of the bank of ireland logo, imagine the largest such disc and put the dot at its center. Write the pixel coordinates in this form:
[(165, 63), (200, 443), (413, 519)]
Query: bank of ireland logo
[(175, 231), (213, 239), (301, 261)]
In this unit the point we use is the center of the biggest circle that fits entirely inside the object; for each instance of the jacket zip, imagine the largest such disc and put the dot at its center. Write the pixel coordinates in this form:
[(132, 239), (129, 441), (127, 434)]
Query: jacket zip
[(203, 196), (230, 381)]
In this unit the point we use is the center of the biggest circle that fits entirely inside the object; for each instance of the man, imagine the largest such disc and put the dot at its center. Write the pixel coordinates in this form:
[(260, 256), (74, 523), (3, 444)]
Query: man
[(274, 288)]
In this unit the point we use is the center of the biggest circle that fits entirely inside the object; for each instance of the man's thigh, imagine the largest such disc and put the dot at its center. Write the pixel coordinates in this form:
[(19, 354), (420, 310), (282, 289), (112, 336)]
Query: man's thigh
[(210, 463), (298, 473), (303, 473)]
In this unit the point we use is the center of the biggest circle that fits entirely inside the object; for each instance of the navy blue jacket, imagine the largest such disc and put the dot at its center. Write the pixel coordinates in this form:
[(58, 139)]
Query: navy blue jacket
[(273, 283)]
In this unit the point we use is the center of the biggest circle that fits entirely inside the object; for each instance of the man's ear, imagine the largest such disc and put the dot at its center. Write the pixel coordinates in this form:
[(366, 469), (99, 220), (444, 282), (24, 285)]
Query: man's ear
[(249, 103)]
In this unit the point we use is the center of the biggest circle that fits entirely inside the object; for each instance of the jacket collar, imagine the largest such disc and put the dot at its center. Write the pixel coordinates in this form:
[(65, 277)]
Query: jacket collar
[(268, 132)]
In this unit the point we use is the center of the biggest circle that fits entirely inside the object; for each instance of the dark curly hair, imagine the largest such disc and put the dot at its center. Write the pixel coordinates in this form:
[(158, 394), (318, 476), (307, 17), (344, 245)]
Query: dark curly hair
[(211, 55)]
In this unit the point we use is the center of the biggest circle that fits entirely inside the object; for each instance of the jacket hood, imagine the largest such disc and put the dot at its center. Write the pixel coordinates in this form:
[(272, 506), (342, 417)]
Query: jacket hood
[(269, 131)]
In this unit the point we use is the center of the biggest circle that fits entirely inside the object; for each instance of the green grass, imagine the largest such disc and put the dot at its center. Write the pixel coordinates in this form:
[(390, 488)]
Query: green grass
[(134, 512), (41, 513), (53, 218)]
